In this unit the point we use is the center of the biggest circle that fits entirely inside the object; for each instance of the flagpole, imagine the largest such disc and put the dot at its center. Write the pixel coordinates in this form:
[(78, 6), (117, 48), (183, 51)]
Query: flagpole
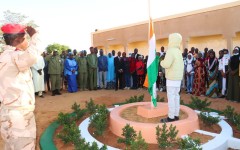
[(149, 17), (149, 12)]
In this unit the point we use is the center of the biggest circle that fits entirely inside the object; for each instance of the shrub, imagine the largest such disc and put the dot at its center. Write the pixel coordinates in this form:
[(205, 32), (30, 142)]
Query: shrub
[(208, 119), (139, 144), (70, 133), (166, 138), (232, 116), (235, 119), (182, 102), (189, 144), (78, 113), (160, 99), (135, 99), (228, 112), (129, 135), (64, 118), (91, 107), (99, 119), (199, 104)]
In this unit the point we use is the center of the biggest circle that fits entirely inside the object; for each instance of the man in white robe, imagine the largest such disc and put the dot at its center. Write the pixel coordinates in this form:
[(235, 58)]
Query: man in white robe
[(38, 76)]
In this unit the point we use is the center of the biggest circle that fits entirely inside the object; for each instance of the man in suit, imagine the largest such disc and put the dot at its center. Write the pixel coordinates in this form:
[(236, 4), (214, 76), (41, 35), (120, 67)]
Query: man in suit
[(118, 64), (136, 55)]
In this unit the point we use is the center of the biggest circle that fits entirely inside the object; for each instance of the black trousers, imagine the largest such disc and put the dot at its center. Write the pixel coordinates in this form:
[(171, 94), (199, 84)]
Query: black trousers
[(119, 81), (134, 78)]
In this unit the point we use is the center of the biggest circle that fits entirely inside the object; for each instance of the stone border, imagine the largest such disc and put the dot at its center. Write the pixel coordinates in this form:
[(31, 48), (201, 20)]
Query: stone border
[(184, 126), (222, 141)]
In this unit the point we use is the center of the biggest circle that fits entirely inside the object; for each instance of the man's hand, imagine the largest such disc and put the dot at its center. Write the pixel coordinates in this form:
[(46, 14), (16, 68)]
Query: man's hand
[(40, 71), (30, 30)]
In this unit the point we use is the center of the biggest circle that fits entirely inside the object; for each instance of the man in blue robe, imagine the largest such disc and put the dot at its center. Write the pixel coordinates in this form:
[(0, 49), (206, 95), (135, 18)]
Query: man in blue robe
[(110, 73), (71, 67)]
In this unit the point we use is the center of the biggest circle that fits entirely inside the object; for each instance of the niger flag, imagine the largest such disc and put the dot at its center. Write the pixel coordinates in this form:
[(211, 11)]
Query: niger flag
[(152, 66)]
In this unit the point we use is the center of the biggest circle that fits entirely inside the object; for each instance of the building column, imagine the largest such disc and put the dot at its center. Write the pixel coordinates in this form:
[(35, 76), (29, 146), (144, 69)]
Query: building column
[(229, 39), (125, 45), (185, 42), (106, 49)]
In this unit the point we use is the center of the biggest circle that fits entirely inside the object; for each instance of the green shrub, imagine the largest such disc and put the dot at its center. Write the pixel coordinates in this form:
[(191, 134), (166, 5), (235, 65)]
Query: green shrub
[(199, 104), (182, 102), (99, 120), (135, 99), (70, 133), (139, 144), (91, 107), (129, 135), (232, 116), (228, 112), (160, 99), (208, 119), (64, 118), (235, 119), (166, 137), (78, 112), (189, 144)]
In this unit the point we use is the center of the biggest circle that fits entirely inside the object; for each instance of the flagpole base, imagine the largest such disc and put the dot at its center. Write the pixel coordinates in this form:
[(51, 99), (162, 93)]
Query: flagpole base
[(149, 111)]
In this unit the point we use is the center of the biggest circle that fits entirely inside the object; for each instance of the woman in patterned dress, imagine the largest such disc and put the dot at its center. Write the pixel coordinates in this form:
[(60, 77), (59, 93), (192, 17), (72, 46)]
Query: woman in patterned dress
[(199, 88), (212, 74)]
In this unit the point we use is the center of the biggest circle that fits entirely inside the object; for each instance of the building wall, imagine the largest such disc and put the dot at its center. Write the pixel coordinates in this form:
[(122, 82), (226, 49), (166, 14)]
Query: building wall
[(215, 42), (236, 40), (216, 28)]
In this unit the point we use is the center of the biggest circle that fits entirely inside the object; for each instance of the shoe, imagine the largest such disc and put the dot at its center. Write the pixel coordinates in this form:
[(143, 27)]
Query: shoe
[(41, 96), (222, 96), (53, 93), (176, 118), (58, 93), (165, 120)]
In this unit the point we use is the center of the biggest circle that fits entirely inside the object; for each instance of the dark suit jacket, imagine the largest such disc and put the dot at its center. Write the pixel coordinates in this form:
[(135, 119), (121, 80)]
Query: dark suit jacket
[(137, 56), (118, 64)]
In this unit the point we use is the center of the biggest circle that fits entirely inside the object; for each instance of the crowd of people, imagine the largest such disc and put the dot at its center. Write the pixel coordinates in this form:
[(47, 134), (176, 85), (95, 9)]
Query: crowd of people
[(204, 73)]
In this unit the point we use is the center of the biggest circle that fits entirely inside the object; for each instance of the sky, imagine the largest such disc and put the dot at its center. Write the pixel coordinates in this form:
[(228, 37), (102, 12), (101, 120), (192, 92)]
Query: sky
[(71, 22)]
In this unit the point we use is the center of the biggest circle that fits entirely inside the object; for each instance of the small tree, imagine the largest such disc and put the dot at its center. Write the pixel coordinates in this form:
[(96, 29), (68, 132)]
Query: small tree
[(134, 99), (91, 107), (64, 118), (199, 104), (55, 46), (78, 112), (70, 133), (129, 135), (189, 144), (166, 137), (208, 119), (139, 144), (99, 119)]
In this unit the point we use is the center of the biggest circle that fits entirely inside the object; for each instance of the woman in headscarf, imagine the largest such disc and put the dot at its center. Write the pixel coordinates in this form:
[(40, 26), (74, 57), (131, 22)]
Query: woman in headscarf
[(212, 73), (199, 88), (110, 73), (71, 67), (233, 93), (190, 72)]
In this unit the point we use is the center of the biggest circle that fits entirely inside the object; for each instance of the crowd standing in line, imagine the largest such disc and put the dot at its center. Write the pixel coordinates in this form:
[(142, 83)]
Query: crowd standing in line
[(204, 74)]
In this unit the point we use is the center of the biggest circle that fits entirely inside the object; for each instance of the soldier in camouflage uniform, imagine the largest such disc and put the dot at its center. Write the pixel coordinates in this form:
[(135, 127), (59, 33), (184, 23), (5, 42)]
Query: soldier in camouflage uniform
[(92, 69), (55, 69), (83, 71), (18, 127)]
